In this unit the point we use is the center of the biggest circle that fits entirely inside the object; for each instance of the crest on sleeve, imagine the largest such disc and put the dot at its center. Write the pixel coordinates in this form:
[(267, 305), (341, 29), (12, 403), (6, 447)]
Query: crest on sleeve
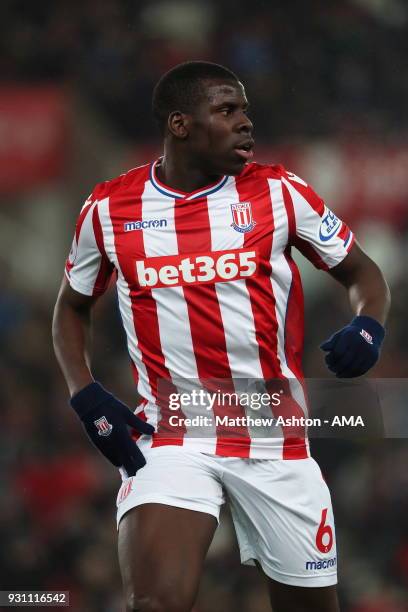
[(242, 220)]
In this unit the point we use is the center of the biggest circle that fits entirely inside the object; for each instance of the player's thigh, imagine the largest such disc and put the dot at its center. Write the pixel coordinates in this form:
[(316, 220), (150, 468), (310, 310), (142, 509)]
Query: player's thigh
[(161, 552), (286, 598), (167, 515)]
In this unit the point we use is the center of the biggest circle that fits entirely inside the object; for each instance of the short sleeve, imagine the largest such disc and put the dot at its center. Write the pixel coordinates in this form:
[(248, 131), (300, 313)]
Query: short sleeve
[(317, 232), (87, 267)]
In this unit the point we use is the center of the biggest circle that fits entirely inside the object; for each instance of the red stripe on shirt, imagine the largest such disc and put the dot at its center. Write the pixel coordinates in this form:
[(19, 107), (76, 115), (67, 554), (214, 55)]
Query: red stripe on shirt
[(345, 233), (352, 241), (302, 245), (260, 288), (294, 320), (207, 330), (309, 195), (294, 341), (81, 219), (310, 253), (135, 373), (69, 265), (264, 312), (129, 247), (105, 266)]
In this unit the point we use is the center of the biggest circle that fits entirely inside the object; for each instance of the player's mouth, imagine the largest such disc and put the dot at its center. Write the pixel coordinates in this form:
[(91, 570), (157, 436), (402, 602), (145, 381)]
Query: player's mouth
[(245, 149)]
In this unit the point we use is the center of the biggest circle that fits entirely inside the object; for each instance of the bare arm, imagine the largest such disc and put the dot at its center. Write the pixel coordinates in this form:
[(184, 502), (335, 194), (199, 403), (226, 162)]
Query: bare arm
[(355, 348), (71, 331), (368, 290)]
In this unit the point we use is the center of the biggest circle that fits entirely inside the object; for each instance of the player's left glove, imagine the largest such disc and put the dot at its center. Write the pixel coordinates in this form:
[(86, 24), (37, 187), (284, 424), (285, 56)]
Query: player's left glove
[(106, 420), (354, 349)]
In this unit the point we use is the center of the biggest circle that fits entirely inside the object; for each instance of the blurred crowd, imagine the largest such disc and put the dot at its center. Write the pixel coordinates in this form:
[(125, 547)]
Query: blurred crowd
[(312, 71), (331, 68)]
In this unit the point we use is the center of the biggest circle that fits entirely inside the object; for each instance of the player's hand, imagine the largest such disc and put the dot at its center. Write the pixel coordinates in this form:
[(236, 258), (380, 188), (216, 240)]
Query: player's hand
[(106, 420), (353, 350)]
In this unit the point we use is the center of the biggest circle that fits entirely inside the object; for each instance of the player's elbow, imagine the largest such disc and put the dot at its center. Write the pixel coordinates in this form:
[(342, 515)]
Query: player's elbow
[(69, 320), (56, 324), (379, 287), (387, 295), (61, 312)]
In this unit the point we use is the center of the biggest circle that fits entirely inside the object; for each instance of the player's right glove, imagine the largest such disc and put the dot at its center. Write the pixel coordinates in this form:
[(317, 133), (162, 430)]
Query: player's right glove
[(106, 420)]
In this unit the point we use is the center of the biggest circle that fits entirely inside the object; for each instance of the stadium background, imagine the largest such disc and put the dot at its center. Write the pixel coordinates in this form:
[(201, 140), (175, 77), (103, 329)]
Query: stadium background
[(328, 88)]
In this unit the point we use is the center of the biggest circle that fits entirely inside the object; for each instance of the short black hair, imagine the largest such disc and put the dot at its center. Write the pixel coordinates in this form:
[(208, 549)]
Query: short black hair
[(180, 89)]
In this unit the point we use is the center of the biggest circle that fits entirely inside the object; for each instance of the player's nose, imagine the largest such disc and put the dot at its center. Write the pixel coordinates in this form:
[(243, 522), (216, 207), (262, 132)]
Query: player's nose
[(244, 124)]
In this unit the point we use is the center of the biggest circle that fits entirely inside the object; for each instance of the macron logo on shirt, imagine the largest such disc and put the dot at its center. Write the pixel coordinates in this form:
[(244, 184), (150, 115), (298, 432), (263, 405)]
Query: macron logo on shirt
[(131, 226)]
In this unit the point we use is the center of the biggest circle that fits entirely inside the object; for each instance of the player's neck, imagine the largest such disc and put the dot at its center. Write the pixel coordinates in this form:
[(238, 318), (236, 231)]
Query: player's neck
[(182, 175)]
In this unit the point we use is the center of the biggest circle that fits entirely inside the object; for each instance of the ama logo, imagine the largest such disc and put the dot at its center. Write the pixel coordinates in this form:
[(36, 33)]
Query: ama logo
[(329, 226)]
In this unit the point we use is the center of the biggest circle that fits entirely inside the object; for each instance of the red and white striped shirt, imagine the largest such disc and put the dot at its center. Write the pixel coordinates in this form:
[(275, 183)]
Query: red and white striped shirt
[(208, 290)]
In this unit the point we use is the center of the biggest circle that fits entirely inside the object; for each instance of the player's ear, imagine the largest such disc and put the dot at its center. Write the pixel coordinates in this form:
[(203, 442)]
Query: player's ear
[(178, 124)]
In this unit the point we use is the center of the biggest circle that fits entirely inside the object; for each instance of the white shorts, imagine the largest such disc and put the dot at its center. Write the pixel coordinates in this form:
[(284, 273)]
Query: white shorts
[(281, 509)]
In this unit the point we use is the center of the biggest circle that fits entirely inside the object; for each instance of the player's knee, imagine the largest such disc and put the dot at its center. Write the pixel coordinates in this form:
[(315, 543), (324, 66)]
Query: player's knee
[(164, 602)]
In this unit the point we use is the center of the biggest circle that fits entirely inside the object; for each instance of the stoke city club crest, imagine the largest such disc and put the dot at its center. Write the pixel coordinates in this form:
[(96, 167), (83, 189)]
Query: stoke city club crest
[(103, 426), (242, 220)]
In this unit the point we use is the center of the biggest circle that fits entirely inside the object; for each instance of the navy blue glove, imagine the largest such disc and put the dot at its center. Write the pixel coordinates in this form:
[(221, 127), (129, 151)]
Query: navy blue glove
[(106, 421), (354, 349)]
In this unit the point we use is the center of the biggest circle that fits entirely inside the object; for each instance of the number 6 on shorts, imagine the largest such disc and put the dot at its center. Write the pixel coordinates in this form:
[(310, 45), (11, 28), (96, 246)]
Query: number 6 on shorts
[(324, 530)]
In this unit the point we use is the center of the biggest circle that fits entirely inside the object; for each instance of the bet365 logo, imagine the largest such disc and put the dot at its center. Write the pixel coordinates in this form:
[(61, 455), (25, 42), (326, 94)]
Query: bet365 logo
[(196, 269)]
